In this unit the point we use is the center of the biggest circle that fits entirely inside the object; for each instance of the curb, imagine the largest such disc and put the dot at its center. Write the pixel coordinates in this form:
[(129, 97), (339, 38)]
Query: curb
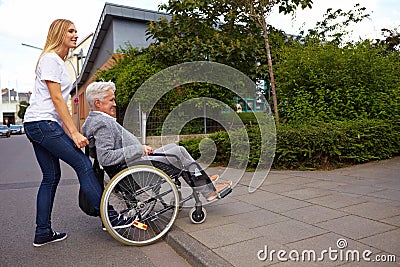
[(194, 252)]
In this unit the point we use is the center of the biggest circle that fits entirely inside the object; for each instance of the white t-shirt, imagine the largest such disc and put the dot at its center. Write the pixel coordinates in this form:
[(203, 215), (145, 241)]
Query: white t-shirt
[(50, 68)]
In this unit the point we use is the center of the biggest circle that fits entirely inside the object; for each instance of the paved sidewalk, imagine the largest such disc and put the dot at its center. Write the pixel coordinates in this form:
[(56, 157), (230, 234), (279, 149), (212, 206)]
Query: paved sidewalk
[(346, 212)]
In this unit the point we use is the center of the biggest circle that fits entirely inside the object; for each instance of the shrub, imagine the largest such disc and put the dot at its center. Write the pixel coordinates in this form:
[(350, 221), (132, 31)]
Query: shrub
[(326, 82), (316, 145)]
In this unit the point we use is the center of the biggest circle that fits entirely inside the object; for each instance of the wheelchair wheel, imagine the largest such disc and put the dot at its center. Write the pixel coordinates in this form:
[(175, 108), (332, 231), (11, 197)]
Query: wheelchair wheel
[(197, 218), (144, 195)]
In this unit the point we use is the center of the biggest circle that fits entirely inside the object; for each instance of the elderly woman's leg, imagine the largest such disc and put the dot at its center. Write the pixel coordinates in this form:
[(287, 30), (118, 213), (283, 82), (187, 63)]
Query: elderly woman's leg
[(201, 179)]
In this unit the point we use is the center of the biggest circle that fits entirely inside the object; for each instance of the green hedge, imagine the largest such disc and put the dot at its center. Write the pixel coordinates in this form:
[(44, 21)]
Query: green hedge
[(315, 145), (327, 82)]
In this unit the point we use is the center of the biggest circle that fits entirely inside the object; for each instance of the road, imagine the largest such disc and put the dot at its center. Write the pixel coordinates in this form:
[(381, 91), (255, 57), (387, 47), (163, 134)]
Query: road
[(87, 244)]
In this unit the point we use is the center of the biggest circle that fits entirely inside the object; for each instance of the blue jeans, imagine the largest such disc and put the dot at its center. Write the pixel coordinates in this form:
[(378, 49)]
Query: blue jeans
[(51, 144)]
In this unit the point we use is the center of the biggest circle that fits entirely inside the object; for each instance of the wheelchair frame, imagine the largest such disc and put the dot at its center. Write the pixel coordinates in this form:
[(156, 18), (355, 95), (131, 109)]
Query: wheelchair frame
[(150, 192)]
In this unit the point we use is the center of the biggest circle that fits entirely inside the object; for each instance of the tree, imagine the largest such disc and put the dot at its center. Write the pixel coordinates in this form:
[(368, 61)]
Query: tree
[(227, 32), (392, 39), (22, 109), (211, 30), (208, 30), (259, 10), (334, 26), (130, 69)]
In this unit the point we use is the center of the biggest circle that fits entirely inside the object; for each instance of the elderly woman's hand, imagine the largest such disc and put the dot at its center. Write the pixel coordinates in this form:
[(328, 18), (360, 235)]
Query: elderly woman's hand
[(147, 150)]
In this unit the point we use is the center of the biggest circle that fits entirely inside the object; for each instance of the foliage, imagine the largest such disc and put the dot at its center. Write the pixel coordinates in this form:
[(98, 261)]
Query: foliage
[(316, 145), (23, 105), (322, 82), (334, 26), (339, 101), (335, 144), (129, 72), (392, 39), (228, 32), (258, 10), (212, 30)]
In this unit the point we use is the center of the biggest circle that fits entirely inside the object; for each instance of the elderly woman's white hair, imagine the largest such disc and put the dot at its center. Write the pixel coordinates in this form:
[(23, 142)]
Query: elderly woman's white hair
[(97, 90)]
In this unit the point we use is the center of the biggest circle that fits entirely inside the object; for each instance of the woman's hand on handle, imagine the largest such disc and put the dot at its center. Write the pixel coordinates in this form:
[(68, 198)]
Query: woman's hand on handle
[(79, 140)]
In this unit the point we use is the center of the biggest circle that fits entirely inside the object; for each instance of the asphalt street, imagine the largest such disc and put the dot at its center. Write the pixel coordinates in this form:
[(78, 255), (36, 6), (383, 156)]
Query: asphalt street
[(87, 244)]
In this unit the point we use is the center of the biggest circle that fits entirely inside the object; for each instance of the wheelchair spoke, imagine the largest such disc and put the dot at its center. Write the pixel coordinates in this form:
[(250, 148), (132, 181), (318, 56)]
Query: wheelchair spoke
[(146, 195)]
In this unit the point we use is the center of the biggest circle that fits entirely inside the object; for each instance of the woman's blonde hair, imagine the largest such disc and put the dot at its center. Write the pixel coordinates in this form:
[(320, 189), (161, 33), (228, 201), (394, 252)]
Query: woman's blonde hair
[(55, 37)]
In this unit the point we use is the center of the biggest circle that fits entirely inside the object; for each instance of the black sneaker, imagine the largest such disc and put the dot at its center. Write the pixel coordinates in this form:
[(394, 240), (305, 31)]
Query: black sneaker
[(43, 239), (119, 222)]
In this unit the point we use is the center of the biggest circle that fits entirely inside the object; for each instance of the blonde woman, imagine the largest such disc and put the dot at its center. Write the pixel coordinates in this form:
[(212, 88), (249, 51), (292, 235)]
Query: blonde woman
[(50, 128)]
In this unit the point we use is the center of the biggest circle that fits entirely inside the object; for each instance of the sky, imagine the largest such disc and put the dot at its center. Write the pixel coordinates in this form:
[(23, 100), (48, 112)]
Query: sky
[(27, 21)]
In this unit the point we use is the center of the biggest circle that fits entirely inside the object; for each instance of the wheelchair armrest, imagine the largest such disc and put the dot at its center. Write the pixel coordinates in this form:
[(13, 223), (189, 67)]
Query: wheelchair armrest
[(168, 155), (164, 155)]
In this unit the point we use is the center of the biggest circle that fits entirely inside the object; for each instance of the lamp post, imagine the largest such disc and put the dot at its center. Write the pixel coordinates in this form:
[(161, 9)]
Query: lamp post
[(32, 46), (79, 57), (76, 100)]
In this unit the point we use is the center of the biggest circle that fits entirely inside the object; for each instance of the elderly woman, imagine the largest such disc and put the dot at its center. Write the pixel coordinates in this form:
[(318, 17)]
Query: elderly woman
[(113, 153)]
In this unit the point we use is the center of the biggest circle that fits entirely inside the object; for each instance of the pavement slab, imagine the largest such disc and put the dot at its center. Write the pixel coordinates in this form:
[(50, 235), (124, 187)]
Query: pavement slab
[(357, 189), (390, 194), (239, 191), (336, 200), (256, 218), (314, 214), (306, 193), (284, 204), (280, 188), (276, 177), (313, 249), (259, 198), (355, 227), (324, 184), (371, 210), (387, 242), (227, 209), (392, 221), (289, 231), (217, 236), (300, 180), (253, 252), (213, 220), (296, 211)]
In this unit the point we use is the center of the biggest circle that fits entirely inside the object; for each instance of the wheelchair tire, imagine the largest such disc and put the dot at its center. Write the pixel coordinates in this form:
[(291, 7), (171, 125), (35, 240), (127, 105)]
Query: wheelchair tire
[(197, 218), (145, 195)]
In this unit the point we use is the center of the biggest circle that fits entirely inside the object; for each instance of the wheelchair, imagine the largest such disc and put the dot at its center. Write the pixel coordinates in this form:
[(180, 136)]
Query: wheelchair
[(149, 193)]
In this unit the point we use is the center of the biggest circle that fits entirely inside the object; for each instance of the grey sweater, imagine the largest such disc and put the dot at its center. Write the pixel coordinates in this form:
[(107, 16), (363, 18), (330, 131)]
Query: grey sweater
[(114, 144)]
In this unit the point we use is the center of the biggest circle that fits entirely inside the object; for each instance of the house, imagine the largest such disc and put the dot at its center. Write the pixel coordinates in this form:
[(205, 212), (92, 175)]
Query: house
[(9, 103), (117, 26)]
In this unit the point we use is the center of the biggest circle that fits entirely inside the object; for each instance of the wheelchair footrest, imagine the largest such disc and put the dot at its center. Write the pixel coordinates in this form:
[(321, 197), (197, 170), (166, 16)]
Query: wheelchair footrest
[(224, 192), (139, 225)]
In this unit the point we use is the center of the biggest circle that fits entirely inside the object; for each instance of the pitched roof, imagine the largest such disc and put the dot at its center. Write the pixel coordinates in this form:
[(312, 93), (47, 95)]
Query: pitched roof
[(110, 13)]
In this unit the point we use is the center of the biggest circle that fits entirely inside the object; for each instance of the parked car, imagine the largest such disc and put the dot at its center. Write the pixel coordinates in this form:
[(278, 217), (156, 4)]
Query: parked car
[(17, 129), (5, 131)]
